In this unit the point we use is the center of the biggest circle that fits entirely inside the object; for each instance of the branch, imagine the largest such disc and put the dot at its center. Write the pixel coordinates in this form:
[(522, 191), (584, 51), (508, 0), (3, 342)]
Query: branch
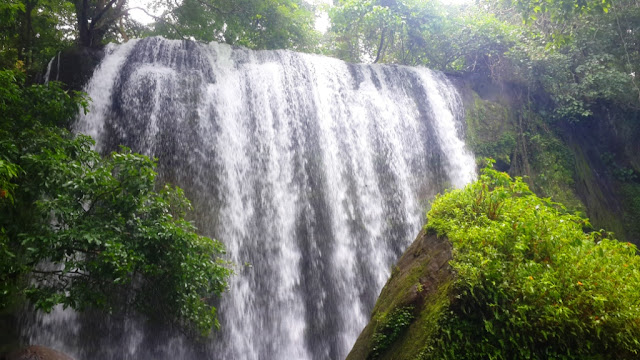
[(218, 10), (157, 18), (380, 47), (97, 18)]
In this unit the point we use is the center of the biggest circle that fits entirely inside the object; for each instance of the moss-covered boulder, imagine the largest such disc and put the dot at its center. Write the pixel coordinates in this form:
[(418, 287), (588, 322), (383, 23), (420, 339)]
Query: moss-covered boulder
[(407, 308), (524, 281)]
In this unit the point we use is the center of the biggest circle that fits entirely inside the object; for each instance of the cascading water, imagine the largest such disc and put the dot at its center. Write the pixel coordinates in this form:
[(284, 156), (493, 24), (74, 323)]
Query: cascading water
[(315, 173)]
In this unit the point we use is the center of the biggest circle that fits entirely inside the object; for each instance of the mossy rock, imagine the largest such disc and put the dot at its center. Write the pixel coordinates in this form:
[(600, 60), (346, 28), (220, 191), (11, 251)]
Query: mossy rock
[(490, 131), (409, 305), (508, 275)]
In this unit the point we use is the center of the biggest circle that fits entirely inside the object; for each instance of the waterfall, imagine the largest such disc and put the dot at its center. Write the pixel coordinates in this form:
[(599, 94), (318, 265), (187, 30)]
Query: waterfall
[(48, 72), (315, 174)]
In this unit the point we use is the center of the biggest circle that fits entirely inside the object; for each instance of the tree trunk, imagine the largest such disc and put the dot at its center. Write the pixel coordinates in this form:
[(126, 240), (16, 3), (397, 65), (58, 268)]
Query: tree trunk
[(25, 52), (82, 14)]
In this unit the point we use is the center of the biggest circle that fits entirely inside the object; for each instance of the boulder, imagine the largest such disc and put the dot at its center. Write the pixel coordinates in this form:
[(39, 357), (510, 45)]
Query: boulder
[(36, 352), (409, 303)]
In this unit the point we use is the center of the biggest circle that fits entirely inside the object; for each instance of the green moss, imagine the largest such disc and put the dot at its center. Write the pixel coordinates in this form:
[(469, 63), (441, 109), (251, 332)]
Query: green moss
[(416, 336), (389, 328), (522, 144), (398, 289), (594, 196), (553, 167), (631, 203), (490, 131), (408, 307)]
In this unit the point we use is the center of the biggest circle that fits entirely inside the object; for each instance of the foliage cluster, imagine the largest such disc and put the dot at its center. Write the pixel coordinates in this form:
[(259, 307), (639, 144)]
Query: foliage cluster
[(412, 32), (581, 54), (531, 284), (91, 232), (390, 328), (32, 31), (270, 24)]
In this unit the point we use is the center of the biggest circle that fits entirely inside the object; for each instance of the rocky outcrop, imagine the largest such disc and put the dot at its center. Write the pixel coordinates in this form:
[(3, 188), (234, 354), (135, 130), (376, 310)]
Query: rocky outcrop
[(36, 352), (591, 166), (74, 66), (407, 310)]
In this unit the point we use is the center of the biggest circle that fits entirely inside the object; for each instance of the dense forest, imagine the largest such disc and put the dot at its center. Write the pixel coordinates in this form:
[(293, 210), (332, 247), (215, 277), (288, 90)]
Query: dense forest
[(555, 100)]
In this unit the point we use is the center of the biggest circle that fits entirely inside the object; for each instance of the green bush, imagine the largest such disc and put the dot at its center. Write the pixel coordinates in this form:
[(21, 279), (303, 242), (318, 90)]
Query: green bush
[(531, 284)]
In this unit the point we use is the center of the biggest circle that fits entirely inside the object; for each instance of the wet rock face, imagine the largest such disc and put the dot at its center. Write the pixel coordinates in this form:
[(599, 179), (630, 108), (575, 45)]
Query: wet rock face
[(35, 352), (74, 66)]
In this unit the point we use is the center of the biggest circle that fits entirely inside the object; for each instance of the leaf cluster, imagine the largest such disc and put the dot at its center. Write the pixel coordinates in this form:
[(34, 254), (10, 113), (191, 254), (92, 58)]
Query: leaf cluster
[(531, 284), (257, 24), (390, 328), (33, 31), (91, 232), (581, 55)]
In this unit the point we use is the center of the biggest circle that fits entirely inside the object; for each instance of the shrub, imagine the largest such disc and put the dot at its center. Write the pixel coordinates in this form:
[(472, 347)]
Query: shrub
[(531, 283)]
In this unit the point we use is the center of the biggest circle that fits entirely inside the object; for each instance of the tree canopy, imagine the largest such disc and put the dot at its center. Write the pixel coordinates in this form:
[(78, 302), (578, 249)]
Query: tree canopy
[(271, 24), (32, 31)]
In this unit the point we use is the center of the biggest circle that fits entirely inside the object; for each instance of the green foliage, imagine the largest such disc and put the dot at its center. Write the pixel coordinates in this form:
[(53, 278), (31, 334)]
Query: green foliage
[(365, 28), (390, 328), (558, 10), (417, 33), (530, 283), (33, 31), (257, 24), (579, 54), (88, 232), (581, 58)]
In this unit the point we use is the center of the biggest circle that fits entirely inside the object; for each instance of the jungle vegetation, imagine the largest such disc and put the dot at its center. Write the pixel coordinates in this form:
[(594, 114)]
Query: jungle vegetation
[(526, 279), (531, 283), (568, 62)]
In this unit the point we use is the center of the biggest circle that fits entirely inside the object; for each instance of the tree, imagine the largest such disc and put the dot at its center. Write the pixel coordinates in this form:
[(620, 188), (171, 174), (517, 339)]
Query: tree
[(32, 31), (257, 24), (91, 232), (583, 54), (413, 32)]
